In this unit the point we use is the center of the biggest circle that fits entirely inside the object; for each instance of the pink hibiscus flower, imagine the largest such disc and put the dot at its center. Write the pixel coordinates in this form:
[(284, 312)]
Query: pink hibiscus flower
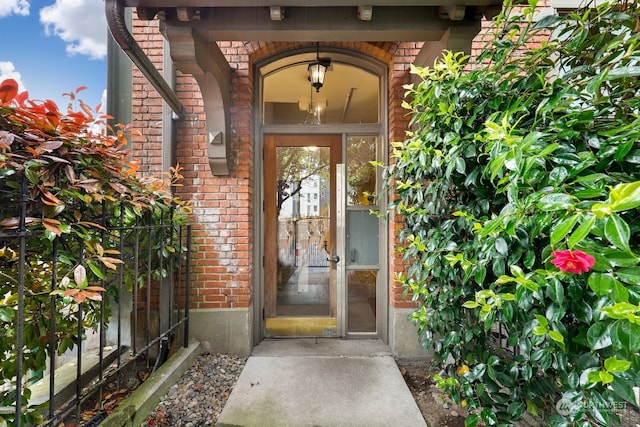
[(572, 261)]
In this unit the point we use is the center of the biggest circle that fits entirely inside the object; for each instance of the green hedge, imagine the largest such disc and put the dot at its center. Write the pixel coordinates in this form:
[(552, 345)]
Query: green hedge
[(519, 186)]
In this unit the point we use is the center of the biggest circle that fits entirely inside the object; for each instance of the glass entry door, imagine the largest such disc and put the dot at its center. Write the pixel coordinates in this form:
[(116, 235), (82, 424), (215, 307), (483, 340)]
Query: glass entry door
[(303, 273)]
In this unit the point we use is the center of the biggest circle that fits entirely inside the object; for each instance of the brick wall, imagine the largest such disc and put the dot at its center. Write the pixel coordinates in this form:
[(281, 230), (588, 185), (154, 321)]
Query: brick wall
[(399, 76), (222, 206), (488, 29)]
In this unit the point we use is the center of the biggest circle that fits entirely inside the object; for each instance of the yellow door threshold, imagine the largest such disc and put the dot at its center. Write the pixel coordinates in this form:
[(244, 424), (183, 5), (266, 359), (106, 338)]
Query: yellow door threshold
[(300, 326)]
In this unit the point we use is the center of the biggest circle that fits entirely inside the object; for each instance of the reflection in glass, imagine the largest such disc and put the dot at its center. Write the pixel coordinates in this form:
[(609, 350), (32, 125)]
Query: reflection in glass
[(361, 306), (361, 174), (303, 230), (362, 238)]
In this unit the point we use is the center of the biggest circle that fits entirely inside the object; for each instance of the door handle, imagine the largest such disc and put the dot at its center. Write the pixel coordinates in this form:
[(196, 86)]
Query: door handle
[(334, 258)]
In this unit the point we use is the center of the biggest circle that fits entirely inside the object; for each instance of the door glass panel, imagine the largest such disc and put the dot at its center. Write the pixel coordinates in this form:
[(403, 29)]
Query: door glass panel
[(362, 238), (361, 174), (303, 221), (361, 304), (362, 233)]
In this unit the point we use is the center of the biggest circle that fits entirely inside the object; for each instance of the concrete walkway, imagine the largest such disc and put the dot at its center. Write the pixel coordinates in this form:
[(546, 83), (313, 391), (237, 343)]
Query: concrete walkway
[(321, 382)]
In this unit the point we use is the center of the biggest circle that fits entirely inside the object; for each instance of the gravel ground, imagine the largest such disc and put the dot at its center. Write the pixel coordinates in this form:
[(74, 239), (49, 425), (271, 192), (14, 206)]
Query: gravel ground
[(198, 397)]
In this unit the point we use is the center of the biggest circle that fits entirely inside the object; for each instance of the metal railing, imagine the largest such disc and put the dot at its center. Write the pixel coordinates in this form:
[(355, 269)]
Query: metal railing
[(146, 290)]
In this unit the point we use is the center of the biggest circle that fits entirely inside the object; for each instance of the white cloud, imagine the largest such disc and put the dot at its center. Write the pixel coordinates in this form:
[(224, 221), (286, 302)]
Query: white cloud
[(8, 71), (79, 23), (14, 7), (103, 102)]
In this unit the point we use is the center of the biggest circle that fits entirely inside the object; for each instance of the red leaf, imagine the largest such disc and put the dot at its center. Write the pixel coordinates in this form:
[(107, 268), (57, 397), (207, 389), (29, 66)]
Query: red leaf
[(49, 199), (118, 187), (32, 151), (56, 159), (87, 110), (51, 106), (91, 224), (76, 294), (6, 139), (53, 117), (89, 185), (93, 296), (14, 222), (52, 226), (22, 97), (71, 174), (8, 91), (79, 275), (49, 146)]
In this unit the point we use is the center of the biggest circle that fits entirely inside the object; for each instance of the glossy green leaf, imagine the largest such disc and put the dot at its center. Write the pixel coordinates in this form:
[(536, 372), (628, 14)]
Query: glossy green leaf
[(539, 330), (481, 273), (489, 417), (95, 269), (599, 336), (472, 420), (613, 364), (630, 276), (625, 196), (7, 314), (555, 202), (542, 320), (582, 231), (623, 72), (633, 157), (564, 227), (621, 258), (601, 283), (621, 310), (617, 231), (600, 376), (501, 246), (619, 293), (516, 409), (626, 335), (624, 389), (555, 291), (557, 337)]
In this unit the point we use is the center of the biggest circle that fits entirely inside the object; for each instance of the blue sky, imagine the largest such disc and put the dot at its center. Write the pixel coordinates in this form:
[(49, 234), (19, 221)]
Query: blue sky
[(54, 46)]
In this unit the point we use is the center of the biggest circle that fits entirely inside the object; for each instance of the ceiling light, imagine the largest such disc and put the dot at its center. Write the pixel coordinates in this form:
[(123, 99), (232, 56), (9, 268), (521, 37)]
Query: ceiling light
[(277, 13), (365, 13), (317, 69)]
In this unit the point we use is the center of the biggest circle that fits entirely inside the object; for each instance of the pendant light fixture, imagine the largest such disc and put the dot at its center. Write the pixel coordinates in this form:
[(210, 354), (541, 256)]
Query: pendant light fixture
[(317, 69)]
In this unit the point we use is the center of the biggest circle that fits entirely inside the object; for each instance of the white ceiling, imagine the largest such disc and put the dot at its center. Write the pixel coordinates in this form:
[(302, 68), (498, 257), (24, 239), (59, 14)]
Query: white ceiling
[(349, 94)]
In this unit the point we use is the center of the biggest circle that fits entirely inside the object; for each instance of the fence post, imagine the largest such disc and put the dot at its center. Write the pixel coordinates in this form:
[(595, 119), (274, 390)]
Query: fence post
[(52, 332), (187, 289), (24, 196)]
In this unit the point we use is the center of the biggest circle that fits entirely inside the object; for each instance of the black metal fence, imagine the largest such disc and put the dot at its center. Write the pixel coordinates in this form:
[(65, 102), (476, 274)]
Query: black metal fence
[(139, 318), (499, 338)]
